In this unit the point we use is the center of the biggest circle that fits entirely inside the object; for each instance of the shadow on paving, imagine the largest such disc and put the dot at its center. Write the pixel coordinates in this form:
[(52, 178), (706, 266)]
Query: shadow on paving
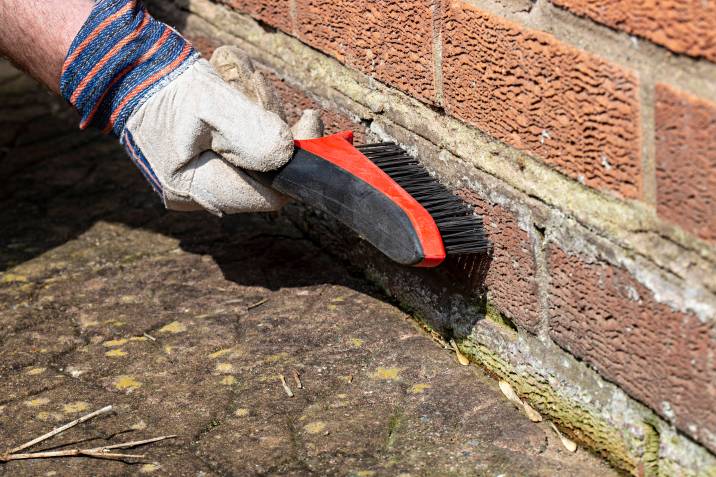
[(58, 182), (184, 321)]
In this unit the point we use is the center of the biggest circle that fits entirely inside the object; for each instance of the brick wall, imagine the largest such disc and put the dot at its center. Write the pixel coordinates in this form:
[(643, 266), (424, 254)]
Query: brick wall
[(584, 131)]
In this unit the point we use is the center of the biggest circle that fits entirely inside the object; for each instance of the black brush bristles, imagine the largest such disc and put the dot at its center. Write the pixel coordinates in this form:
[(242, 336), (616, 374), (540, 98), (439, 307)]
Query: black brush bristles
[(462, 231)]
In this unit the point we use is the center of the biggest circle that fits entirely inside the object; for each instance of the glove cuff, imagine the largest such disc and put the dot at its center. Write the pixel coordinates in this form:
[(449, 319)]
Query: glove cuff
[(119, 58)]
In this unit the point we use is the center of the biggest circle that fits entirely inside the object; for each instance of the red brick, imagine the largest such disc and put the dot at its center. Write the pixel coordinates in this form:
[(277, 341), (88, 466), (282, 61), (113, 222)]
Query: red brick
[(575, 111), (683, 26), (686, 161), (295, 101), (510, 281), (204, 44), (390, 40), (276, 13), (602, 314)]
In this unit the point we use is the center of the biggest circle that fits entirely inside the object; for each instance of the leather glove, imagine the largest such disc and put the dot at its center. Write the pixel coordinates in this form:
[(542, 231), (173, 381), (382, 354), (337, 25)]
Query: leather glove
[(190, 132)]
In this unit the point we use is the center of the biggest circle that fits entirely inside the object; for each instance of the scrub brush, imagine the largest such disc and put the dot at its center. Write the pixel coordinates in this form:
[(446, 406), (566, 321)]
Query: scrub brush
[(388, 198)]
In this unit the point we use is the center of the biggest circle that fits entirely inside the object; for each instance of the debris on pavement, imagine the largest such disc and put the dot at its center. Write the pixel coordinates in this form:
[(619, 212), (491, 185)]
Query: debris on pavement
[(568, 443), (101, 452), (289, 393)]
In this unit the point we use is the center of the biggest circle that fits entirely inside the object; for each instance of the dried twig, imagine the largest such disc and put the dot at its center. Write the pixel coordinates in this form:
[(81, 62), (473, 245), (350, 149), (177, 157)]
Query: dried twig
[(57, 430), (297, 378), (127, 445), (147, 335), (289, 393), (258, 303), (101, 452), (96, 453)]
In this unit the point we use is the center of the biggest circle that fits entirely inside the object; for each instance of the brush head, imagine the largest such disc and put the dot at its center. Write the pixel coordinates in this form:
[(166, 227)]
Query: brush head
[(462, 231)]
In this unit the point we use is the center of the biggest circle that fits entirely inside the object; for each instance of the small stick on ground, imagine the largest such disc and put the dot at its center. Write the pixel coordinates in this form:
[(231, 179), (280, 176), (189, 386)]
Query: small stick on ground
[(147, 335), (96, 452), (101, 452), (289, 393), (57, 430), (297, 378), (258, 303)]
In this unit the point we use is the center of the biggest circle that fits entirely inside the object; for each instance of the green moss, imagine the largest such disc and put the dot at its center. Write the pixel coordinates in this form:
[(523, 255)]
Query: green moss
[(393, 425), (493, 314), (650, 460), (573, 419)]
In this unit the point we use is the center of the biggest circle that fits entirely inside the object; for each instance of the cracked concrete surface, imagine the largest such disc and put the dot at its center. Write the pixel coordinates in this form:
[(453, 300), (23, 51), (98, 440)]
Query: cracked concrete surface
[(105, 298)]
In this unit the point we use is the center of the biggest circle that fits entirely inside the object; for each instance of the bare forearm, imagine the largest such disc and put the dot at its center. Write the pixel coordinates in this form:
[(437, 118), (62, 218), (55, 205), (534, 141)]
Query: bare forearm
[(36, 34)]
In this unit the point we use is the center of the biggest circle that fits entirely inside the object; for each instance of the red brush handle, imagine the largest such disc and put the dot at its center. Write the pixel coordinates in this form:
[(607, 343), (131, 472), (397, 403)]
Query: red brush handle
[(330, 174), (338, 149)]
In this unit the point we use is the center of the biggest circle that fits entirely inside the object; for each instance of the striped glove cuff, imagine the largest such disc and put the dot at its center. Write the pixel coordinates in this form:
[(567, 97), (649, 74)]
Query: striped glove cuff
[(120, 57)]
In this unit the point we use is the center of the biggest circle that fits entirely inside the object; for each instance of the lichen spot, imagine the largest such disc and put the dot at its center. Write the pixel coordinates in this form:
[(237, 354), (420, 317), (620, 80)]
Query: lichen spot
[(148, 468), (139, 425), (45, 416), (114, 343), (224, 368), (274, 358), (116, 353), (36, 371), (173, 327), (37, 402), (419, 388), (126, 383), (74, 407), (228, 381), (13, 278), (315, 427), (241, 412), (356, 342), (388, 374)]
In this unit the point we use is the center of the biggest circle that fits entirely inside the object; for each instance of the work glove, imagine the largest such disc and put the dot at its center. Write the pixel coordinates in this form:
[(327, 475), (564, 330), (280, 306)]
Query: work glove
[(191, 133)]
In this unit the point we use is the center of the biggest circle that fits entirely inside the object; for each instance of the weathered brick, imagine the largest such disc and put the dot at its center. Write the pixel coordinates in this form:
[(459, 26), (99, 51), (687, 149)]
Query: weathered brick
[(295, 101), (686, 161), (204, 44), (664, 358), (276, 13), (390, 40), (511, 281), (682, 26), (574, 110)]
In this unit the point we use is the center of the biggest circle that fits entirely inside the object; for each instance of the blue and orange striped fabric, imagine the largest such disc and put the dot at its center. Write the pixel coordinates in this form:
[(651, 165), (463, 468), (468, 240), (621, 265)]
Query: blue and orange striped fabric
[(119, 58)]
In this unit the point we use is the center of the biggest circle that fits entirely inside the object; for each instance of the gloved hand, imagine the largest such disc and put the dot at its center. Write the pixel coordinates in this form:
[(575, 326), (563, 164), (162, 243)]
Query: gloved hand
[(188, 131)]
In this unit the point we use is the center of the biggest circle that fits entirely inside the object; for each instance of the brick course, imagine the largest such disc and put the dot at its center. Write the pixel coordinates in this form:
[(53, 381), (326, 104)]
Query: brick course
[(276, 13), (572, 109), (662, 357), (295, 101), (389, 40), (511, 280), (686, 161), (681, 26)]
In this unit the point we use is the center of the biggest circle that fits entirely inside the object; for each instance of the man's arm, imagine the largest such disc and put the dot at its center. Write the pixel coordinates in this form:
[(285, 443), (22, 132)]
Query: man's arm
[(36, 34), (190, 133)]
